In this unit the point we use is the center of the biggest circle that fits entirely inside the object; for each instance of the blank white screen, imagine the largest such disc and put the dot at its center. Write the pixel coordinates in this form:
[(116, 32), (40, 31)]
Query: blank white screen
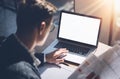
[(79, 28)]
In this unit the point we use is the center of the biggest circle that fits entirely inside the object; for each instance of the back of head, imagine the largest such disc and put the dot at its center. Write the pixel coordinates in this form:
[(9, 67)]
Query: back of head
[(33, 12)]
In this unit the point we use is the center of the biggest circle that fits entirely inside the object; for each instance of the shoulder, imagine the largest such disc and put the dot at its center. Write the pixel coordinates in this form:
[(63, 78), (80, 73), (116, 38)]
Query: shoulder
[(22, 70)]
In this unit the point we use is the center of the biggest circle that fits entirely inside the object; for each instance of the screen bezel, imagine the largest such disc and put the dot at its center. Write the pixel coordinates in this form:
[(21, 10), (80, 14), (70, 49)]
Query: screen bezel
[(78, 43)]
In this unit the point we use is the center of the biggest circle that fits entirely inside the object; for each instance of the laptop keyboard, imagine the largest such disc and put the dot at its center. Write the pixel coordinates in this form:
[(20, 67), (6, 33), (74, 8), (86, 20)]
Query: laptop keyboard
[(72, 48)]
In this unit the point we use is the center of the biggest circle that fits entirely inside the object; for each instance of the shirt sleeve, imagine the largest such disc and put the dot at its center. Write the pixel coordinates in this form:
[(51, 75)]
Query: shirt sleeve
[(41, 57), (22, 70)]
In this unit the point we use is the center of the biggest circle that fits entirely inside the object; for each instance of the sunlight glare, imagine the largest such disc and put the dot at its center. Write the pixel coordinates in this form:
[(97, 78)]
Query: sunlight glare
[(117, 12), (117, 6)]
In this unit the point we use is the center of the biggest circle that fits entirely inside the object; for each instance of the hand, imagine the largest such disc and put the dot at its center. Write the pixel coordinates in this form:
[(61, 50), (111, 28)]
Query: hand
[(53, 57), (92, 75)]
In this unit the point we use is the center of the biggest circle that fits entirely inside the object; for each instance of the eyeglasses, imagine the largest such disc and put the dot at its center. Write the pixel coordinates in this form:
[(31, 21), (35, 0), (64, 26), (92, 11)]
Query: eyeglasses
[(52, 27)]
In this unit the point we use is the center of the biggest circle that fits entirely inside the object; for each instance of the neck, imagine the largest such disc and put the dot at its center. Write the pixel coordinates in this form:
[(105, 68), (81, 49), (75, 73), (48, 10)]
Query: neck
[(27, 40)]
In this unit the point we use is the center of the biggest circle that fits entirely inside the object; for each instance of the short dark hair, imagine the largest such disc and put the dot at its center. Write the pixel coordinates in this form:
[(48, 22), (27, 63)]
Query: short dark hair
[(33, 12)]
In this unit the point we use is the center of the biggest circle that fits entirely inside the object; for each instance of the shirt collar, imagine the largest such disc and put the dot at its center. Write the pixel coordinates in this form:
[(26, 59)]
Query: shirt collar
[(16, 50)]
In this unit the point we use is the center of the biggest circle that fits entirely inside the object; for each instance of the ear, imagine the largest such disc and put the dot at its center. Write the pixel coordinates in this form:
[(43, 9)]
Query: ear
[(42, 28)]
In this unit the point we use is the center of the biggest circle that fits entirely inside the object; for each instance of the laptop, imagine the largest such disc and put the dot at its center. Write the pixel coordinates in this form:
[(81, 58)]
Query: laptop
[(78, 33)]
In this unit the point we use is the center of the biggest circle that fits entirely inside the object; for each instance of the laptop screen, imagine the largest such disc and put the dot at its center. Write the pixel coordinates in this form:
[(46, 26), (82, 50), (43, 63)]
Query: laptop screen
[(79, 28)]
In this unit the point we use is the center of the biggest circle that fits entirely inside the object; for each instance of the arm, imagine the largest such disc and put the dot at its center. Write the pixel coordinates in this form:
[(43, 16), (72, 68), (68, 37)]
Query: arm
[(21, 70)]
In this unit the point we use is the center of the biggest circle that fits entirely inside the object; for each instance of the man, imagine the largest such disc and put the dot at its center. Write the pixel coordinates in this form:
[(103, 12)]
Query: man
[(34, 18)]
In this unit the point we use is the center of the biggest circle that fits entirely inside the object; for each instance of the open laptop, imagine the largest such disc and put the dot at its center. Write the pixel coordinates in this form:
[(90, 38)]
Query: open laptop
[(78, 33)]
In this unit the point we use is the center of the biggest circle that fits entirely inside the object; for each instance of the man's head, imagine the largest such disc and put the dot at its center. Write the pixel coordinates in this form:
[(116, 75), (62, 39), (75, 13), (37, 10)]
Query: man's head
[(34, 18)]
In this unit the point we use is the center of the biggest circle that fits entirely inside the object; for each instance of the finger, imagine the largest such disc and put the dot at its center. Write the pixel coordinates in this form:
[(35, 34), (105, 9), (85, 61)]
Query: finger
[(64, 49), (61, 56), (59, 61), (60, 49), (60, 52)]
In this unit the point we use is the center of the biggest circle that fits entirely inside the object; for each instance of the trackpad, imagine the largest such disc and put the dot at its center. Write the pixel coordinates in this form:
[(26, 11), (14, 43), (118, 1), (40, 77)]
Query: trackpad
[(75, 58)]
